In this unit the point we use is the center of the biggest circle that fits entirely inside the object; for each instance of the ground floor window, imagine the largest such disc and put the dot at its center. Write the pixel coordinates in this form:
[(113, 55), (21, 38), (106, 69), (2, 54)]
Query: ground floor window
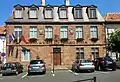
[(94, 52), (79, 53), (25, 55)]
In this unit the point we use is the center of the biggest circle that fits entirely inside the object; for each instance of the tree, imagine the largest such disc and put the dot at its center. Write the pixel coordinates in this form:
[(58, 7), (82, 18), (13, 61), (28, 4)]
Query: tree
[(114, 41)]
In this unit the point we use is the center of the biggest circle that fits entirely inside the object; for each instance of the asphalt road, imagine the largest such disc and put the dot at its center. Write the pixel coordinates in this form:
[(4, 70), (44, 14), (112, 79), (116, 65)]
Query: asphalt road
[(64, 76)]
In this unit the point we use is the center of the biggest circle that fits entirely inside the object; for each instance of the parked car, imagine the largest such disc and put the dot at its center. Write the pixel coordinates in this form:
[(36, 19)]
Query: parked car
[(83, 64), (37, 66), (12, 67), (118, 64), (104, 63)]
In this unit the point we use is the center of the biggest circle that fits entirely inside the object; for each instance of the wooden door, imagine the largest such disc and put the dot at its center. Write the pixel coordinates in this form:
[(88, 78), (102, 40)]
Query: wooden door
[(57, 56)]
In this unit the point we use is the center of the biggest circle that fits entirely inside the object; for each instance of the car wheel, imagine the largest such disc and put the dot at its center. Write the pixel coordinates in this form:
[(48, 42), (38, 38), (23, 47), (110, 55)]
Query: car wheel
[(16, 72), (3, 74), (113, 69), (44, 72), (99, 68)]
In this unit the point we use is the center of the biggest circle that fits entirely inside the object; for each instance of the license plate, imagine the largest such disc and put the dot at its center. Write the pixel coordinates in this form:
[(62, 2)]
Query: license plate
[(36, 67), (8, 68)]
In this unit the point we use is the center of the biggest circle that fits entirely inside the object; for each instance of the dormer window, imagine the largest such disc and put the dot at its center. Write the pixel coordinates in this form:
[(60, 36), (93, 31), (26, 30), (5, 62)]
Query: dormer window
[(33, 12), (18, 13), (48, 13), (77, 12), (93, 13), (63, 13)]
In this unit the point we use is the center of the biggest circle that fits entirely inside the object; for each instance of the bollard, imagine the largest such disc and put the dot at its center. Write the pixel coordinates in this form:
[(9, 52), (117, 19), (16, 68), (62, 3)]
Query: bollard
[(94, 78)]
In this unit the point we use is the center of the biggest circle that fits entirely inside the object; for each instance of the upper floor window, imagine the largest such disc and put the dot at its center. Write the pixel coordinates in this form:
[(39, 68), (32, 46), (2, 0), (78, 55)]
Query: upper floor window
[(33, 31), (18, 31), (93, 31), (48, 13), (93, 13), (33, 12), (79, 32), (78, 12), (48, 32), (63, 12), (18, 12), (64, 32)]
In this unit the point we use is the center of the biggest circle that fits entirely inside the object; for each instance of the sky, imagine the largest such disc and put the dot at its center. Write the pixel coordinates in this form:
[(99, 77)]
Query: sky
[(104, 6)]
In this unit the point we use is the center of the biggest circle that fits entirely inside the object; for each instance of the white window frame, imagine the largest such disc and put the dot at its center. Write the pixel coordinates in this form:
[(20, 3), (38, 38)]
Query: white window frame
[(64, 32), (63, 13), (78, 13), (79, 32), (18, 29), (94, 31), (93, 13), (24, 53), (18, 13), (48, 13), (48, 32), (33, 12), (33, 32)]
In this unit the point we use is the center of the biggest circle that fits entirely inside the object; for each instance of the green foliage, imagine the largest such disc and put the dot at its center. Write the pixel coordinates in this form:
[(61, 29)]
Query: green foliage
[(114, 41)]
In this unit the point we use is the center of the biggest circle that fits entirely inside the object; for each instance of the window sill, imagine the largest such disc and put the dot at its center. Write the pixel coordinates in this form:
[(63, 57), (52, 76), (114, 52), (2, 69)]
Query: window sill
[(33, 18), (48, 39), (93, 18), (32, 39), (64, 39), (94, 39), (79, 39), (18, 18)]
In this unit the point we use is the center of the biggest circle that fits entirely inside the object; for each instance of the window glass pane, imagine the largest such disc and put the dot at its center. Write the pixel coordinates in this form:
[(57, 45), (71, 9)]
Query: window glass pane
[(92, 13), (49, 13), (33, 31), (93, 32), (79, 32), (25, 55), (18, 13), (64, 32), (17, 31), (33, 13), (78, 13), (63, 13), (48, 32)]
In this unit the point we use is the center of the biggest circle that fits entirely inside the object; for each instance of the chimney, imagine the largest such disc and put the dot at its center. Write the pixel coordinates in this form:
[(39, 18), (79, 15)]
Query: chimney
[(67, 2), (43, 2)]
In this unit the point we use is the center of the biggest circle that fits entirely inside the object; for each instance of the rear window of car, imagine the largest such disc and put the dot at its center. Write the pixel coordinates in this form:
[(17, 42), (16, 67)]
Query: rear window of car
[(36, 62), (9, 64), (85, 61)]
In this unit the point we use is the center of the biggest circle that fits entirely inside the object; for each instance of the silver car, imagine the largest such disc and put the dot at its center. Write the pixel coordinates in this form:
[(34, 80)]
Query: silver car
[(83, 64), (37, 66)]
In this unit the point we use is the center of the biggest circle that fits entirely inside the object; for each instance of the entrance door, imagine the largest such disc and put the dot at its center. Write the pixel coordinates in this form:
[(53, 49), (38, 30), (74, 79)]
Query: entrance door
[(57, 56)]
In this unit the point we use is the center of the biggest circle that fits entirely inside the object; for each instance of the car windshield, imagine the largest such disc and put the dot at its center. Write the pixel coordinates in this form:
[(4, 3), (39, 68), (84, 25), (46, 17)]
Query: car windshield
[(108, 59), (85, 61), (36, 62)]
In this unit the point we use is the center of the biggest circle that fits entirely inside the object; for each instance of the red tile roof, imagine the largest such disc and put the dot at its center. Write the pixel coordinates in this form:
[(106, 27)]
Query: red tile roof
[(2, 29), (112, 17)]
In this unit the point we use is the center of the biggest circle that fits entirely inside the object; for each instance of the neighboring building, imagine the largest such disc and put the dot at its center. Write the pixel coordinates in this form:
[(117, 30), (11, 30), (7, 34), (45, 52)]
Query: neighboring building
[(2, 43), (112, 22), (59, 33)]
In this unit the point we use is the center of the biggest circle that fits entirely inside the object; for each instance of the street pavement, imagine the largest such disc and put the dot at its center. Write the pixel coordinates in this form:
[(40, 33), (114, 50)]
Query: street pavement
[(64, 76)]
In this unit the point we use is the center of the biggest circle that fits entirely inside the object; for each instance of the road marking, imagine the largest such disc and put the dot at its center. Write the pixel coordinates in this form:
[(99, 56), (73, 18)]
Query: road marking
[(0, 75), (24, 75), (73, 72), (1, 78)]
